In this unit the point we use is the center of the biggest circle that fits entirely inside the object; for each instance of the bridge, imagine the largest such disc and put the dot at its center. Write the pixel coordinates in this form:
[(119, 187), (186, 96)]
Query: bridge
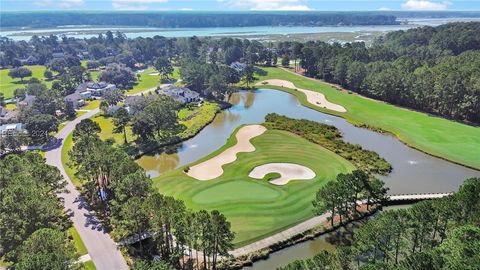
[(398, 198)]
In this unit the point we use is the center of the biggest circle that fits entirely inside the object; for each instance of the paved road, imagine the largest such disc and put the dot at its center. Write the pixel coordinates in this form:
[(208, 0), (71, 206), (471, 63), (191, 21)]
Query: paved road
[(101, 248)]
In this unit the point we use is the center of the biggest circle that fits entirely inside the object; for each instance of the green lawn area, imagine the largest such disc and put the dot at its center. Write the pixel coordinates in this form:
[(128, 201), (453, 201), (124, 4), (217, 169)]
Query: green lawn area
[(79, 245), (8, 85), (257, 208), (88, 266), (437, 136), (106, 124), (92, 104), (197, 118), (11, 106), (68, 144), (147, 81)]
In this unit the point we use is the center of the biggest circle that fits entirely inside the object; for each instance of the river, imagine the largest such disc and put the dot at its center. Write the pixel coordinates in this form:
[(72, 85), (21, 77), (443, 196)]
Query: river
[(88, 31), (413, 171)]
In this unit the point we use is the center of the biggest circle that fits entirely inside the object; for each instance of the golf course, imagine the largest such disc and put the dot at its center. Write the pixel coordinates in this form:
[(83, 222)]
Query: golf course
[(258, 208), (454, 141)]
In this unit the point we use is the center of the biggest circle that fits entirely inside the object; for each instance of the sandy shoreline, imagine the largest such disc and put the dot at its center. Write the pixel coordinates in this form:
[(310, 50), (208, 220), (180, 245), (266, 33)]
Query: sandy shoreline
[(315, 98)]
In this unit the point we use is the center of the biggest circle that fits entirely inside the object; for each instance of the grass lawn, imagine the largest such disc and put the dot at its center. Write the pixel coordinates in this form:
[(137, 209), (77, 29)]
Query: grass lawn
[(257, 208), (88, 266), (11, 106), (8, 85), (66, 160), (437, 136), (197, 118), (79, 245), (147, 81), (106, 124), (91, 105)]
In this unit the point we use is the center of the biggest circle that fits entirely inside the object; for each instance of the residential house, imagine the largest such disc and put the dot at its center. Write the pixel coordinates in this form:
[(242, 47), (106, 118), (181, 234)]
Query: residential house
[(27, 101), (181, 94), (7, 115), (239, 67), (76, 99), (31, 60), (10, 129), (58, 55), (98, 89)]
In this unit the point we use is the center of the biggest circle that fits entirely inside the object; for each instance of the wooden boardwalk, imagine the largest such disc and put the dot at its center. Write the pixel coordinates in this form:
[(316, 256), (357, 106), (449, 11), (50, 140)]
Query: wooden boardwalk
[(417, 196)]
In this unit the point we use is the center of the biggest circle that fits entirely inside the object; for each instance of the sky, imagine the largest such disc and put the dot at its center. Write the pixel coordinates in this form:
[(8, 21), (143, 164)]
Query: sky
[(225, 5)]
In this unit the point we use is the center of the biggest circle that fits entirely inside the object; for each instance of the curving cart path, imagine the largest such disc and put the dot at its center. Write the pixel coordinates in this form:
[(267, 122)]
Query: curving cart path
[(102, 249)]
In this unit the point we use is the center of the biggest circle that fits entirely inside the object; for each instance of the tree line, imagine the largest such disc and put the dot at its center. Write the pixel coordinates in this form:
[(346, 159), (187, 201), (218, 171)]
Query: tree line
[(33, 223), (128, 204), (437, 234), (194, 19), (342, 198), (431, 69)]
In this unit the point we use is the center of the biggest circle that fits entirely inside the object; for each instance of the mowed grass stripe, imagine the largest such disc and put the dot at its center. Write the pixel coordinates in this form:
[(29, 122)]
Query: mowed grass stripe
[(256, 208), (437, 136)]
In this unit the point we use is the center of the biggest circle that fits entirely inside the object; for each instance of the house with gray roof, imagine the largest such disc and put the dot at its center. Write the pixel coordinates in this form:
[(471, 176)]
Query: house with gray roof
[(238, 66), (27, 101)]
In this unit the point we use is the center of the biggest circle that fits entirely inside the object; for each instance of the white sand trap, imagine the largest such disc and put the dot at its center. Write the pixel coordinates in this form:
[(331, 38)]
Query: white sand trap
[(315, 98), (154, 74), (212, 168), (288, 171)]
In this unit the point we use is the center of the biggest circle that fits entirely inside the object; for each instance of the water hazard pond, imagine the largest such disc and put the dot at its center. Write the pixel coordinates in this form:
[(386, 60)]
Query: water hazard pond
[(413, 171)]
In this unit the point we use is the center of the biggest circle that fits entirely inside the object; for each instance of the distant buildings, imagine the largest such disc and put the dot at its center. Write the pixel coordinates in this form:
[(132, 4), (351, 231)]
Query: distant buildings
[(30, 60), (181, 94)]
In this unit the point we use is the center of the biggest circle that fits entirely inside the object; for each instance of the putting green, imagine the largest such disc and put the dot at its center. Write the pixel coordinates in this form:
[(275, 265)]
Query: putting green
[(437, 136), (256, 208)]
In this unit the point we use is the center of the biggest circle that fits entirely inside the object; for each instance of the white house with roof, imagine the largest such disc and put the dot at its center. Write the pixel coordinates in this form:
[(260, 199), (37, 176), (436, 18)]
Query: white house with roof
[(98, 89), (181, 94), (11, 129)]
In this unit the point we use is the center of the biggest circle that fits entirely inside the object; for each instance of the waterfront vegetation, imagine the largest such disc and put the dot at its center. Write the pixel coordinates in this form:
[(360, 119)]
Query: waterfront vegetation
[(437, 234), (330, 138), (437, 136), (257, 208)]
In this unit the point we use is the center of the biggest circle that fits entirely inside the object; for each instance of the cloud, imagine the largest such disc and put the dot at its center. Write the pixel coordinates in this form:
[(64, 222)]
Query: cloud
[(62, 4), (384, 9), (266, 4), (425, 5), (134, 4)]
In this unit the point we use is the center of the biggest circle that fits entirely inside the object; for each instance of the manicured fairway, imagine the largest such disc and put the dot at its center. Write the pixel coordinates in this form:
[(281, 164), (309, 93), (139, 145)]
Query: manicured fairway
[(255, 207), (8, 85), (453, 141)]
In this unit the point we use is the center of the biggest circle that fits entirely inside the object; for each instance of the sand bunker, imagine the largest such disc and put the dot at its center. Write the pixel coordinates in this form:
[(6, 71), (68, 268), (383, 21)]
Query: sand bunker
[(212, 168), (288, 171), (315, 98), (154, 74)]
